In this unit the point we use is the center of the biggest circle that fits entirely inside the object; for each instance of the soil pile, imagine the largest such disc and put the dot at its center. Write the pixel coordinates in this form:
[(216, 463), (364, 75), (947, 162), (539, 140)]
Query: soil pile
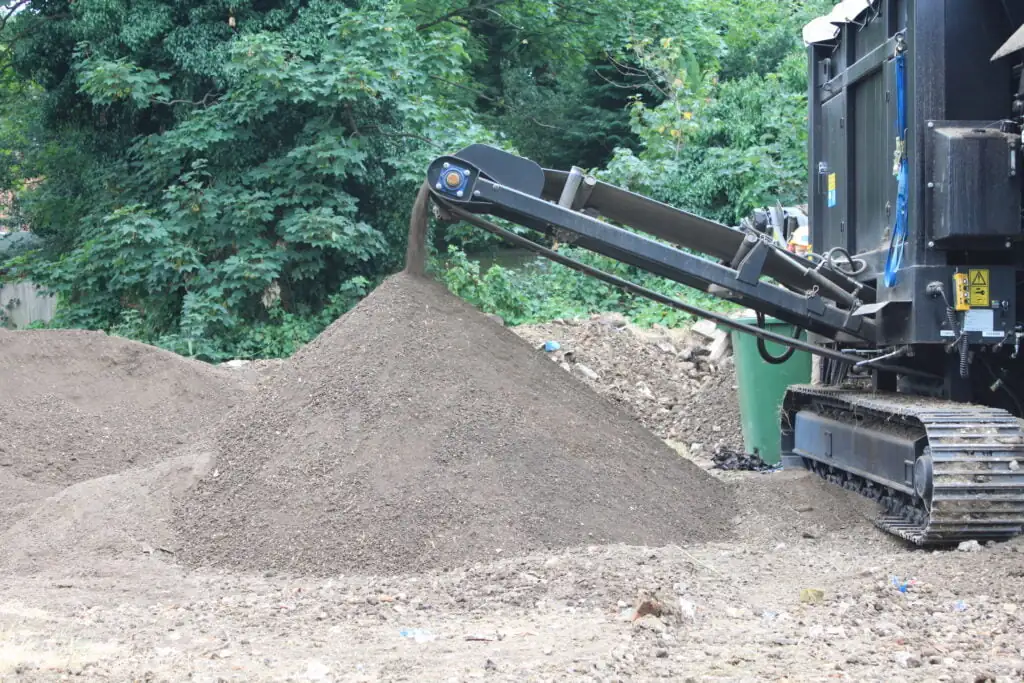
[(79, 405), (107, 525), (664, 378), (416, 433)]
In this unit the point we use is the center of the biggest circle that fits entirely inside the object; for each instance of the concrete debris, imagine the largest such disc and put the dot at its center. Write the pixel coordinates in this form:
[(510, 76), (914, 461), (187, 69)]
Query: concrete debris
[(969, 547), (317, 671), (720, 348), (707, 329), (693, 397)]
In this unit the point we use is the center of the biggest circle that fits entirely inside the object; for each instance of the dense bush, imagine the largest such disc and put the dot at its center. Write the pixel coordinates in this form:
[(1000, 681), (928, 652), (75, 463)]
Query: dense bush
[(223, 178)]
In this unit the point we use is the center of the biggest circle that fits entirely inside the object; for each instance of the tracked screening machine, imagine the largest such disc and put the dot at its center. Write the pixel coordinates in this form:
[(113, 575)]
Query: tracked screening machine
[(909, 293)]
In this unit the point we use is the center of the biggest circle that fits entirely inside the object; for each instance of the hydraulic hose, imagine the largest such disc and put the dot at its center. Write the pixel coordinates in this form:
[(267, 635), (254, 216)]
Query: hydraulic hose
[(762, 348)]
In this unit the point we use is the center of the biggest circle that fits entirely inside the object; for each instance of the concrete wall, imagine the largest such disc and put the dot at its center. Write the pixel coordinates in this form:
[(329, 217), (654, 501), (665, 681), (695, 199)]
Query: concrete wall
[(23, 304)]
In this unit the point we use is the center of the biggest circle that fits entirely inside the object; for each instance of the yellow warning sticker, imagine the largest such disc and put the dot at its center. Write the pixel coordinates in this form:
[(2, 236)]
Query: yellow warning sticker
[(831, 182), (962, 290), (980, 291)]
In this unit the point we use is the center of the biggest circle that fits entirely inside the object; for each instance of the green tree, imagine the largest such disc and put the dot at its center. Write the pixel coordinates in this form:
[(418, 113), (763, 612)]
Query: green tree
[(202, 192)]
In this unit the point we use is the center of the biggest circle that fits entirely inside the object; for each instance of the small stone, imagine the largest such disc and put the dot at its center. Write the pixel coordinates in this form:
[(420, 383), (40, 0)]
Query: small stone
[(907, 660), (317, 671), (650, 623), (812, 596), (1010, 608), (489, 665), (496, 318), (661, 653), (969, 547), (707, 329), (1014, 465), (721, 347), (613, 319), (548, 650), (587, 372)]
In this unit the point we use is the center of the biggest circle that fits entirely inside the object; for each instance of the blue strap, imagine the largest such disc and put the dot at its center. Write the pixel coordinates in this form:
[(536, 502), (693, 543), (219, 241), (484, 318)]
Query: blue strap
[(902, 172)]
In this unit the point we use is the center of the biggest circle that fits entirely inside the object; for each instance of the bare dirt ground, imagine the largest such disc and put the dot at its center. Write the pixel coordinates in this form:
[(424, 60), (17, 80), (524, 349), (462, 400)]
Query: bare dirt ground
[(735, 610), (96, 582)]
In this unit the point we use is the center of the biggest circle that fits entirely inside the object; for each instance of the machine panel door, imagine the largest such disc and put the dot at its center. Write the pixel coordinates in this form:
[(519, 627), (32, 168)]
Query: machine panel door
[(833, 177)]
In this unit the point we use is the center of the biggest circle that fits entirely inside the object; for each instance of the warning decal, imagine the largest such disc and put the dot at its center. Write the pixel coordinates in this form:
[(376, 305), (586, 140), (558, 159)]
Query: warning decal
[(832, 195), (980, 291)]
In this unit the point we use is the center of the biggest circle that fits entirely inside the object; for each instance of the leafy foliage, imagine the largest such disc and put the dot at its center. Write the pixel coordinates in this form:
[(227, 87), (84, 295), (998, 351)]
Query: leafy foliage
[(543, 291), (223, 178), (277, 192)]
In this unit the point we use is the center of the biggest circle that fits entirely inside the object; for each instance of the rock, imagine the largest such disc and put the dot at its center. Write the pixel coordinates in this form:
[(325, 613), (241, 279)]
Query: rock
[(687, 610), (720, 348), (907, 660), (613, 320), (650, 623), (1014, 465), (237, 363), (496, 318), (812, 596), (587, 372), (317, 671), (668, 348), (1010, 608), (707, 329), (655, 605), (661, 653), (969, 547)]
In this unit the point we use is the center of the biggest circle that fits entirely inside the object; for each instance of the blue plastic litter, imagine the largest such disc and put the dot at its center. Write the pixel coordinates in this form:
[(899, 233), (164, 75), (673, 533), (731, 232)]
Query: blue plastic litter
[(552, 346), (901, 585), (418, 634)]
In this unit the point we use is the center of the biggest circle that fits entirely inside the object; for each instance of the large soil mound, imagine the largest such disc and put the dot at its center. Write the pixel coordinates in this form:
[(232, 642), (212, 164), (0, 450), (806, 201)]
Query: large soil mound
[(79, 405), (417, 433)]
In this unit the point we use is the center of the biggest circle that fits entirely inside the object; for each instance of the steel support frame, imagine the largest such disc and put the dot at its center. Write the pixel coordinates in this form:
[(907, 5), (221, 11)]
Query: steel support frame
[(808, 310)]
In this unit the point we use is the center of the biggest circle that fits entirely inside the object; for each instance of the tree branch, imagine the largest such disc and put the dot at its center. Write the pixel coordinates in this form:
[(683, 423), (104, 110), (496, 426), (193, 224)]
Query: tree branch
[(460, 12), (10, 10), (201, 103), (478, 93)]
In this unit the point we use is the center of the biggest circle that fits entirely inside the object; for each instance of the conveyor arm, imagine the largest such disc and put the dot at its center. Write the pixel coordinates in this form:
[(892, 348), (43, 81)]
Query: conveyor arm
[(582, 211)]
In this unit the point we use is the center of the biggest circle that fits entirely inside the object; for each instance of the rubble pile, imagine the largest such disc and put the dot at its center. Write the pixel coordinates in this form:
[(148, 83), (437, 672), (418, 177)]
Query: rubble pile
[(679, 383)]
